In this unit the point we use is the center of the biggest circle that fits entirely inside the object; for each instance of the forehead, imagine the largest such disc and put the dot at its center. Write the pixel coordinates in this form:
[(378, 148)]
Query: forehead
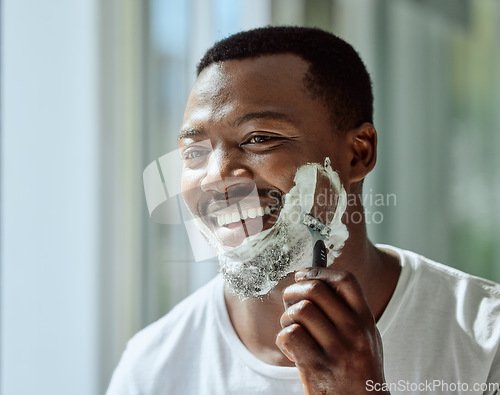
[(263, 82)]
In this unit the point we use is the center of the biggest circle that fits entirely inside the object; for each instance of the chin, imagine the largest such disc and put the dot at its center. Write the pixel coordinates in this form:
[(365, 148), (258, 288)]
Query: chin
[(289, 250)]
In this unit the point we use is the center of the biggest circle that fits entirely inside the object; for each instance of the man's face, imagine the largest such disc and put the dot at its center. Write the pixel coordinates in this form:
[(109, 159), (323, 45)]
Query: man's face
[(248, 125)]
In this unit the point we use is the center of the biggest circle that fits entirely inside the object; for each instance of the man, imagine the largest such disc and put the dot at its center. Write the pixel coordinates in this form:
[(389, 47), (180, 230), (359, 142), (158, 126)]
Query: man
[(267, 102)]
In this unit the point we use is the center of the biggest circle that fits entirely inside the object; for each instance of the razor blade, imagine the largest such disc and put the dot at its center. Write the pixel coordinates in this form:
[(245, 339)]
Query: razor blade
[(316, 225)]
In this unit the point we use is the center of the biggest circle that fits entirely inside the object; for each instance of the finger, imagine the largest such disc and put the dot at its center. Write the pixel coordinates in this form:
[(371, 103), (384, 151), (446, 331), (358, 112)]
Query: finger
[(325, 298), (313, 320), (343, 283), (298, 345)]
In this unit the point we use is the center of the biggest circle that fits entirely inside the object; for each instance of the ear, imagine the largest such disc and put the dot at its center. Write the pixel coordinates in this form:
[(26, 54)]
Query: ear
[(363, 142)]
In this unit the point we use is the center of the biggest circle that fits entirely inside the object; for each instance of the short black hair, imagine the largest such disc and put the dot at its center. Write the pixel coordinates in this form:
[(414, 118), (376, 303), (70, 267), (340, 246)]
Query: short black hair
[(336, 73)]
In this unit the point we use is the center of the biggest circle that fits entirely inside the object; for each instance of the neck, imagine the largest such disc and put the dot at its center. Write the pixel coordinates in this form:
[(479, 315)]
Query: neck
[(257, 321)]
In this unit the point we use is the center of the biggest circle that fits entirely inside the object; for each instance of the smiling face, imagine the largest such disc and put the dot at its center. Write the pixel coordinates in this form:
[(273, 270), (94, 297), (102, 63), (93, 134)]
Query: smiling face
[(249, 124)]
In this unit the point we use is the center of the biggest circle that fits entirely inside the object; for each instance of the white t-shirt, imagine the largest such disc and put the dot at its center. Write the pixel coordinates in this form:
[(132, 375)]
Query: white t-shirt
[(440, 331)]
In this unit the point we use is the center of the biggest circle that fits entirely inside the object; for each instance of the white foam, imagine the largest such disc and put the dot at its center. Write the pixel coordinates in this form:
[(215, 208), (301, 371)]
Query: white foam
[(255, 266)]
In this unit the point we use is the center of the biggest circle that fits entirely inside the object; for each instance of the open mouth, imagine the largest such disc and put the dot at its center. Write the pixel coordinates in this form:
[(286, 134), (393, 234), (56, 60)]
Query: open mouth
[(236, 216), (233, 224)]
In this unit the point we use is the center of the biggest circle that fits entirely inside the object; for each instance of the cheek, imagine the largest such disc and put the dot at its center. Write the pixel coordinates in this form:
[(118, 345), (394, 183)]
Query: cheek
[(277, 172), (342, 166), (339, 159), (191, 191)]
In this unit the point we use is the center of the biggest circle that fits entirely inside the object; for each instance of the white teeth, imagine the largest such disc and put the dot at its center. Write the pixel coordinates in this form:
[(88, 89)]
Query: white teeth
[(235, 216), (252, 212)]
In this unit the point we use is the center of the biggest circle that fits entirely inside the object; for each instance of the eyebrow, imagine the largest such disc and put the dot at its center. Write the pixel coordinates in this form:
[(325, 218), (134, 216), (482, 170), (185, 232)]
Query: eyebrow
[(193, 132), (190, 132), (262, 115)]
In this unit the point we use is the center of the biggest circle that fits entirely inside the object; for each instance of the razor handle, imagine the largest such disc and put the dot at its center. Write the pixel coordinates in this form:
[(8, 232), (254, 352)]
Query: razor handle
[(319, 254)]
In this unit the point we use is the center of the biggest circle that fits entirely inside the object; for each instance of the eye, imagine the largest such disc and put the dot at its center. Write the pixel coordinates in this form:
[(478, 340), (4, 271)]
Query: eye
[(193, 154), (194, 157), (258, 139)]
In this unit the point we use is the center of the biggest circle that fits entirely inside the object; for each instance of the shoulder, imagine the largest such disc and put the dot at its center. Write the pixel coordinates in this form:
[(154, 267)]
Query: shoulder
[(185, 318), (166, 344), (449, 295), (447, 320), (447, 277)]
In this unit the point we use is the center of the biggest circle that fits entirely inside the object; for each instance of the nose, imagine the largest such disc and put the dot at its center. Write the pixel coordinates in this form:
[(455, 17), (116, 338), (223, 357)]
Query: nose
[(224, 170)]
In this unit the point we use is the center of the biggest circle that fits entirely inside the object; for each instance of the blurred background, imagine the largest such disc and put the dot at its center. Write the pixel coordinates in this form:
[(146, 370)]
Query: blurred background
[(93, 91)]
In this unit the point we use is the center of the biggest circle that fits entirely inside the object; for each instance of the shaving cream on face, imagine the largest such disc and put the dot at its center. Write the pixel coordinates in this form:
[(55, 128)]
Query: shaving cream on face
[(254, 267)]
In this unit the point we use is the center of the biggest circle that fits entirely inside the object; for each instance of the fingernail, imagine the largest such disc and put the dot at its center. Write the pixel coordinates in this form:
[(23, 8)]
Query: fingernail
[(287, 354), (299, 275)]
